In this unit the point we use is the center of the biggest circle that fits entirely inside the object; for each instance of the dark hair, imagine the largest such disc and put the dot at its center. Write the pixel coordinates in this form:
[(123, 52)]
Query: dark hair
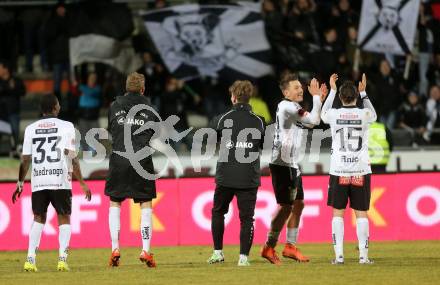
[(348, 92), (243, 90), (48, 103), (5, 64), (287, 77)]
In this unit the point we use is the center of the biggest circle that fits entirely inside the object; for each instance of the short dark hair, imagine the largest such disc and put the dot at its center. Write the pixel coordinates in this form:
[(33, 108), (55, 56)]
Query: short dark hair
[(48, 103), (243, 90), (287, 77), (5, 64), (348, 92)]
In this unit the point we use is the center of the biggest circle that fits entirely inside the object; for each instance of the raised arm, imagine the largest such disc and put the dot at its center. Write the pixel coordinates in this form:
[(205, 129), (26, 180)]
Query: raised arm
[(329, 103), (371, 115), (319, 95)]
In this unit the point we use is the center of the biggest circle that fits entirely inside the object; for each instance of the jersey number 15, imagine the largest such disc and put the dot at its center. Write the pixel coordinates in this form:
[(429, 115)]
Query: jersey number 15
[(350, 136)]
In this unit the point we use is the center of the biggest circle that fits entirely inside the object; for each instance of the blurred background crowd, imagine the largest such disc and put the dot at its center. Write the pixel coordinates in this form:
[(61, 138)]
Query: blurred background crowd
[(311, 37)]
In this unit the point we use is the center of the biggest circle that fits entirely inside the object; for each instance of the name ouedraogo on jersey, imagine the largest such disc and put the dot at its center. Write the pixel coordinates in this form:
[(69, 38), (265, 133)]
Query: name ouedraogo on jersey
[(46, 141)]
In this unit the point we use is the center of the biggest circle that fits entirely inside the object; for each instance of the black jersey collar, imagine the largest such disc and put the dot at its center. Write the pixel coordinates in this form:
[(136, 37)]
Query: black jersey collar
[(349, 107), (242, 106), (133, 94)]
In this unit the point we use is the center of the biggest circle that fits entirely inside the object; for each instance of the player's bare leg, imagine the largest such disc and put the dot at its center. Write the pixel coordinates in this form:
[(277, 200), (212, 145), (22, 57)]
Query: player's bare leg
[(114, 221), (338, 235), (290, 250), (34, 242), (362, 231), (277, 224), (146, 232), (64, 239)]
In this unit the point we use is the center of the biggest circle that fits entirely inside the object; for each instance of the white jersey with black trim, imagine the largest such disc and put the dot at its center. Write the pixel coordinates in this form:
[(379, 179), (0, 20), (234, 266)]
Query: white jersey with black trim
[(349, 128), (46, 141), (289, 127)]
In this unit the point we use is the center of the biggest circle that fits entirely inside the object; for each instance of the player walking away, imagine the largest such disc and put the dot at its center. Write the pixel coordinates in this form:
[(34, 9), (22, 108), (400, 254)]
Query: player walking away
[(49, 144), (290, 118), (349, 167), (241, 135), (123, 181)]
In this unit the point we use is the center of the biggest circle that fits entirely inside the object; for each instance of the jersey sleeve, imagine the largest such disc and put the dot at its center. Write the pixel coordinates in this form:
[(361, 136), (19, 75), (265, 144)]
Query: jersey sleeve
[(27, 143), (70, 138), (327, 111), (370, 112), (312, 117)]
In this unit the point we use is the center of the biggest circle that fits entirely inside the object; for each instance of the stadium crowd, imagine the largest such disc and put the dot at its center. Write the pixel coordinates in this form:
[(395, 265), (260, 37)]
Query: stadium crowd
[(311, 37)]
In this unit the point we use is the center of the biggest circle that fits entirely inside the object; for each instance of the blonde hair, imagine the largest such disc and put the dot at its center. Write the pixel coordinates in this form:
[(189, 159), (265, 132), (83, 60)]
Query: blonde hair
[(135, 82), (243, 90)]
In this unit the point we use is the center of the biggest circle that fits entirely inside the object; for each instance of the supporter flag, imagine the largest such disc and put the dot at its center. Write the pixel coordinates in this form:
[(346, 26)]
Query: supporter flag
[(208, 40), (102, 33), (388, 26), (5, 128)]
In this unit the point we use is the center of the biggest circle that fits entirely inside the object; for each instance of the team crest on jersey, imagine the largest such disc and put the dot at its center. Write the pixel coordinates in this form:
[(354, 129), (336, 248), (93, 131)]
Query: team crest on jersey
[(229, 145)]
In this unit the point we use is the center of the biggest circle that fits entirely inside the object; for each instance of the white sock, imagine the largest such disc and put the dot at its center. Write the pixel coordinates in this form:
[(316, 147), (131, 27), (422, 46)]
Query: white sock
[(338, 237), (64, 239), (34, 240), (292, 235), (146, 228), (218, 251), (362, 232), (114, 222)]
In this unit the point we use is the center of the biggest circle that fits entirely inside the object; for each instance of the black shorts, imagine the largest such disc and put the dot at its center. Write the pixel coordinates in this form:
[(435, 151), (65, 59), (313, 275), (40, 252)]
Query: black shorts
[(355, 188), (120, 200), (284, 182), (61, 200)]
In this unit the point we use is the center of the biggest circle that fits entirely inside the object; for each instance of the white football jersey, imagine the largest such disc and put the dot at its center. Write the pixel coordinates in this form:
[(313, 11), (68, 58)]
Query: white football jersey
[(290, 121), (349, 128), (46, 141)]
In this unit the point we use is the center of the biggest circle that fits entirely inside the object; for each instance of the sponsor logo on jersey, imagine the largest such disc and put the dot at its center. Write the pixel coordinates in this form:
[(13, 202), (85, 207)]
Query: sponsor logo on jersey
[(348, 122), (349, 116), (230, 145), (46, 125), (46, 131), (136, 122), (121, 120)]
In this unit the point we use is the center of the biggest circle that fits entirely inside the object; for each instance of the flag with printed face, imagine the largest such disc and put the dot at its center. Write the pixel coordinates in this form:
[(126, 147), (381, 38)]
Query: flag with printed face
[(211, 40), (388, 26)]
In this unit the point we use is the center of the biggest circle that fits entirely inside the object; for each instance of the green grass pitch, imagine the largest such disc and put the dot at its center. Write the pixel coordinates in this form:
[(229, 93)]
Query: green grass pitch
[(395, 263)]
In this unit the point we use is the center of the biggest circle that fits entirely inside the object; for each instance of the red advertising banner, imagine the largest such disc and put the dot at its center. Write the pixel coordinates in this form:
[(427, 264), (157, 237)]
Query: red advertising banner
[(403, 207)]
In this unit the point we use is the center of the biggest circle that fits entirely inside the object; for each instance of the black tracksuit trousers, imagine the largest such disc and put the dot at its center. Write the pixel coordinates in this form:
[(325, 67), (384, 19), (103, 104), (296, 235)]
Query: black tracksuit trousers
[(246, 200)]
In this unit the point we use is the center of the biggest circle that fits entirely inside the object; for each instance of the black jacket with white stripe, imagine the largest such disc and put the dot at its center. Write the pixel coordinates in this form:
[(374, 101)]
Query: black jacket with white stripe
[(241, 136)]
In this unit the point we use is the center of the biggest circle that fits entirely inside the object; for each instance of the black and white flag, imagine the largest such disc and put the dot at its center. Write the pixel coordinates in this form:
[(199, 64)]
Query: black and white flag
[(210, 40), (388, 26), (103, 37)]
